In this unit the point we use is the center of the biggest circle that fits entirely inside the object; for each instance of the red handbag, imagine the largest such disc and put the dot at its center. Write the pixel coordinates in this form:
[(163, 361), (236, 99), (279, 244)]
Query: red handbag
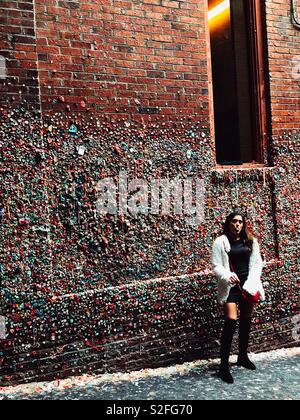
[(249, 298), (245, 295)]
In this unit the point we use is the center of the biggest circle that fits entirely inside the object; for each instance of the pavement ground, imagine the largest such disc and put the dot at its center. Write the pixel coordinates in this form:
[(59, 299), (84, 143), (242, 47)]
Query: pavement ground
[(277, 378)]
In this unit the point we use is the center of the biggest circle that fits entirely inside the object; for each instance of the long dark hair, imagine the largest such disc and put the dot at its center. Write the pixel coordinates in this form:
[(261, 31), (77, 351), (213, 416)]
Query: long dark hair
[(246, 234)]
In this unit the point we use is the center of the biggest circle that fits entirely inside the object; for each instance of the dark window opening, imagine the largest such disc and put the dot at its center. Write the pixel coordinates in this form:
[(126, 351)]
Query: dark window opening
[(238, 80)]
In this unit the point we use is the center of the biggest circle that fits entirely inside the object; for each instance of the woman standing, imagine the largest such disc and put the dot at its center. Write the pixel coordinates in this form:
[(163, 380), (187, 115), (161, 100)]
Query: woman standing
[(237, 264)]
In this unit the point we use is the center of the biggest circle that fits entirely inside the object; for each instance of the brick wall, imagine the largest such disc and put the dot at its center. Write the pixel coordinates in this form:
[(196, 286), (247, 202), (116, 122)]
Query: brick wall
[(284, 62), (18, 49), (117, 57)]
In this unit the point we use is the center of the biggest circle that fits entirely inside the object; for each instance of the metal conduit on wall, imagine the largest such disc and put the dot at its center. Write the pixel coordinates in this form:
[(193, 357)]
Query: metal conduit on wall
[(295, 19)]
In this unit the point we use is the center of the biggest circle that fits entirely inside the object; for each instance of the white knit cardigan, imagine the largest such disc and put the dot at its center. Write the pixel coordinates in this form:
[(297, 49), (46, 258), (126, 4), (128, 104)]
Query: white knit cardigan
[(221, 268)]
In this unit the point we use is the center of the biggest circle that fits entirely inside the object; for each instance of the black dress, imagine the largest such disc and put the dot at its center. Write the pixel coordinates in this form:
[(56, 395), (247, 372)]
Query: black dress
[(239, 256)]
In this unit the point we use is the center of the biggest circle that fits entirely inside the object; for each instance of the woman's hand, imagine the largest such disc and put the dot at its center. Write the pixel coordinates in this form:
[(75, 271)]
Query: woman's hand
[(233, 279)]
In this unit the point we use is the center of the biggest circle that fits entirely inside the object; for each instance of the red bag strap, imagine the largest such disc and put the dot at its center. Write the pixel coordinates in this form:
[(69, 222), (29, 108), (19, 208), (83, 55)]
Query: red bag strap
[(231, 266)]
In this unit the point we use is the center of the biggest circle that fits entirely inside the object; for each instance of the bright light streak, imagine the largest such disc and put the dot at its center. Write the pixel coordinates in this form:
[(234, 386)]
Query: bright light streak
[(222, 7)]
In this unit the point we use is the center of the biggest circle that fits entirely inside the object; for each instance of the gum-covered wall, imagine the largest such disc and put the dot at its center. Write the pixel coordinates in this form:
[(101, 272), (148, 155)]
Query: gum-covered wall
[(81, 292)]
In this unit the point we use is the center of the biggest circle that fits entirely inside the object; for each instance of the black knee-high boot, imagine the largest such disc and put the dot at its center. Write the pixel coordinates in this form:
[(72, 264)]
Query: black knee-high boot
[(226, 342), (244, 334)]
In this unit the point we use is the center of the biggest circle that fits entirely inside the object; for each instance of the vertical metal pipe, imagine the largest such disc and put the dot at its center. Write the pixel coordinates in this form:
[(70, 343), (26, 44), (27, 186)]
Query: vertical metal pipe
[(295, 20)]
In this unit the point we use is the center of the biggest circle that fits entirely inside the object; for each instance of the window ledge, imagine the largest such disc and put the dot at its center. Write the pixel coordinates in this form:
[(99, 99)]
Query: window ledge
[(245, 166)]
